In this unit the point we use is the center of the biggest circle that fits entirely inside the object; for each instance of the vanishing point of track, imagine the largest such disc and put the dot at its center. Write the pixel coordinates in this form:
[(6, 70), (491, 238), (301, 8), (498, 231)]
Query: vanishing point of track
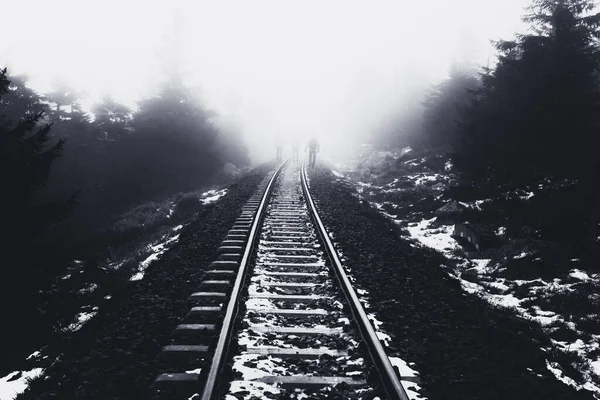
[(273, 311)]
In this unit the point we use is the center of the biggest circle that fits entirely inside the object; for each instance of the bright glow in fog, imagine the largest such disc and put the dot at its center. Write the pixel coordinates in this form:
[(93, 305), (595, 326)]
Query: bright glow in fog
[(335, 68)]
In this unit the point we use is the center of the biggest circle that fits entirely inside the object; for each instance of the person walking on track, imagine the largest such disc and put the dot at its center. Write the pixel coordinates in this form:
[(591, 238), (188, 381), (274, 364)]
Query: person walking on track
[(313, 148)]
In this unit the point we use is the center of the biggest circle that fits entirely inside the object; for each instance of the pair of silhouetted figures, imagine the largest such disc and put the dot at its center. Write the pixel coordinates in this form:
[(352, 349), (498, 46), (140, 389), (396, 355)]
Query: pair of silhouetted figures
[(312, 147)]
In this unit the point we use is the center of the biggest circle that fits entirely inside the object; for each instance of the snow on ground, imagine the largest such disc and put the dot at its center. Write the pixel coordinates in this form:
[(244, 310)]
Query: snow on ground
[(81, 318), (527, 196), (596, 366), (409, 377), (503, 296), (13, 383), (497, 290), (251, 390), (421, 179), (89, 289), (475, 205), (16, 382), (362, 185), (157, 251), (547, 319), (480, 264), (579, 275), (212, 195), (439, 238)]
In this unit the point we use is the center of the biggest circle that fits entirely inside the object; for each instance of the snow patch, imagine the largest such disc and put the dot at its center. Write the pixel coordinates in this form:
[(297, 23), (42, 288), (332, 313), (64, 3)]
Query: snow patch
[(16, 382), (157, 251), (212, 195), (92, 287), (527, 196), (480, 264), (261, 366), (408, 378), (405, 370), (522, 255), (546, 319), (437, 238), (577, 274), (596, 366), (558, 373), (252, 390), (384, 337), (81, 318)]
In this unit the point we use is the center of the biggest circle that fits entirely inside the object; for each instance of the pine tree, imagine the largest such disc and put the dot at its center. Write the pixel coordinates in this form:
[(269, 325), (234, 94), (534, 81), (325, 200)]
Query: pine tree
[(445, 105), (19, 101), (64, 99), (111, 118), (174, 145), (538, 111), (174, 142), (25, 162)]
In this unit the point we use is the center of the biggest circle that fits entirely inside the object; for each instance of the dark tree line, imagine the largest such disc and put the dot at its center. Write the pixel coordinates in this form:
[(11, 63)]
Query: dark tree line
[(538, 110), (122, 158), (532, 119), (444, 107), (66, 173), (27, 152)]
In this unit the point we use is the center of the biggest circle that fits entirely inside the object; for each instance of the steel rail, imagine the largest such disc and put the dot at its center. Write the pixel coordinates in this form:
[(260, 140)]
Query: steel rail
[(210, 390), (391, 382)]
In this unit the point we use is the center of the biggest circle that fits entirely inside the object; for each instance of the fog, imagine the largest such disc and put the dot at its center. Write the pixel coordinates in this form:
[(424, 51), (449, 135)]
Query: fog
[(336, 69)]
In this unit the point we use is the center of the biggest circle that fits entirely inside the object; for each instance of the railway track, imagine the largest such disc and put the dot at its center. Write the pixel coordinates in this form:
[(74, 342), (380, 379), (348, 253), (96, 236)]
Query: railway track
[(276, 316)]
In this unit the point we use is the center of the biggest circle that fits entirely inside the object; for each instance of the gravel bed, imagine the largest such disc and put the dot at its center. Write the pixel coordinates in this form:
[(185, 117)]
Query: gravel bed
[(462, 347), (118, 359)]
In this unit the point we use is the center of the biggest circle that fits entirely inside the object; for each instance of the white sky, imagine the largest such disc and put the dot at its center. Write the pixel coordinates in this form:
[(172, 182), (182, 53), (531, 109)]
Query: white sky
[(329, 66)]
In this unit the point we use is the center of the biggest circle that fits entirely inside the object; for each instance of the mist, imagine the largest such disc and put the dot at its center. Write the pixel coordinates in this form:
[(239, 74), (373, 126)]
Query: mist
[(456, 169), (335, 69)]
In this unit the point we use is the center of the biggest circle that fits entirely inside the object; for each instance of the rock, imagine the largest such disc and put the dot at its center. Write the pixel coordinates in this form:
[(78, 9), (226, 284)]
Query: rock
[(480, 236), (451, 208)]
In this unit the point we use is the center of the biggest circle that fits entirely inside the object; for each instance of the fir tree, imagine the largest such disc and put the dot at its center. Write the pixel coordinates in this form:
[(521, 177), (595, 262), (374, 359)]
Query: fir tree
[(18, 100), (26, 157), (538, 111), (537, 115), (111, 118), (64, 99), (444, 107)]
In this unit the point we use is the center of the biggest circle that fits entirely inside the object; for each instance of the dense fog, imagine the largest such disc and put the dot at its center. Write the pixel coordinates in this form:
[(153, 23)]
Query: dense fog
[(133, 128), (338, 69)]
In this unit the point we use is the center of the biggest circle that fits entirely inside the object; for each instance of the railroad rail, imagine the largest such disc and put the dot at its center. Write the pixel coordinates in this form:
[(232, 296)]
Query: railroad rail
[(274, 312)]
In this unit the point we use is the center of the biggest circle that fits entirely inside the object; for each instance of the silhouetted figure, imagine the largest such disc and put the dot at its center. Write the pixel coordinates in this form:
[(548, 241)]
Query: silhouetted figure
[(313, 148), (279, 147), (295, 148)]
